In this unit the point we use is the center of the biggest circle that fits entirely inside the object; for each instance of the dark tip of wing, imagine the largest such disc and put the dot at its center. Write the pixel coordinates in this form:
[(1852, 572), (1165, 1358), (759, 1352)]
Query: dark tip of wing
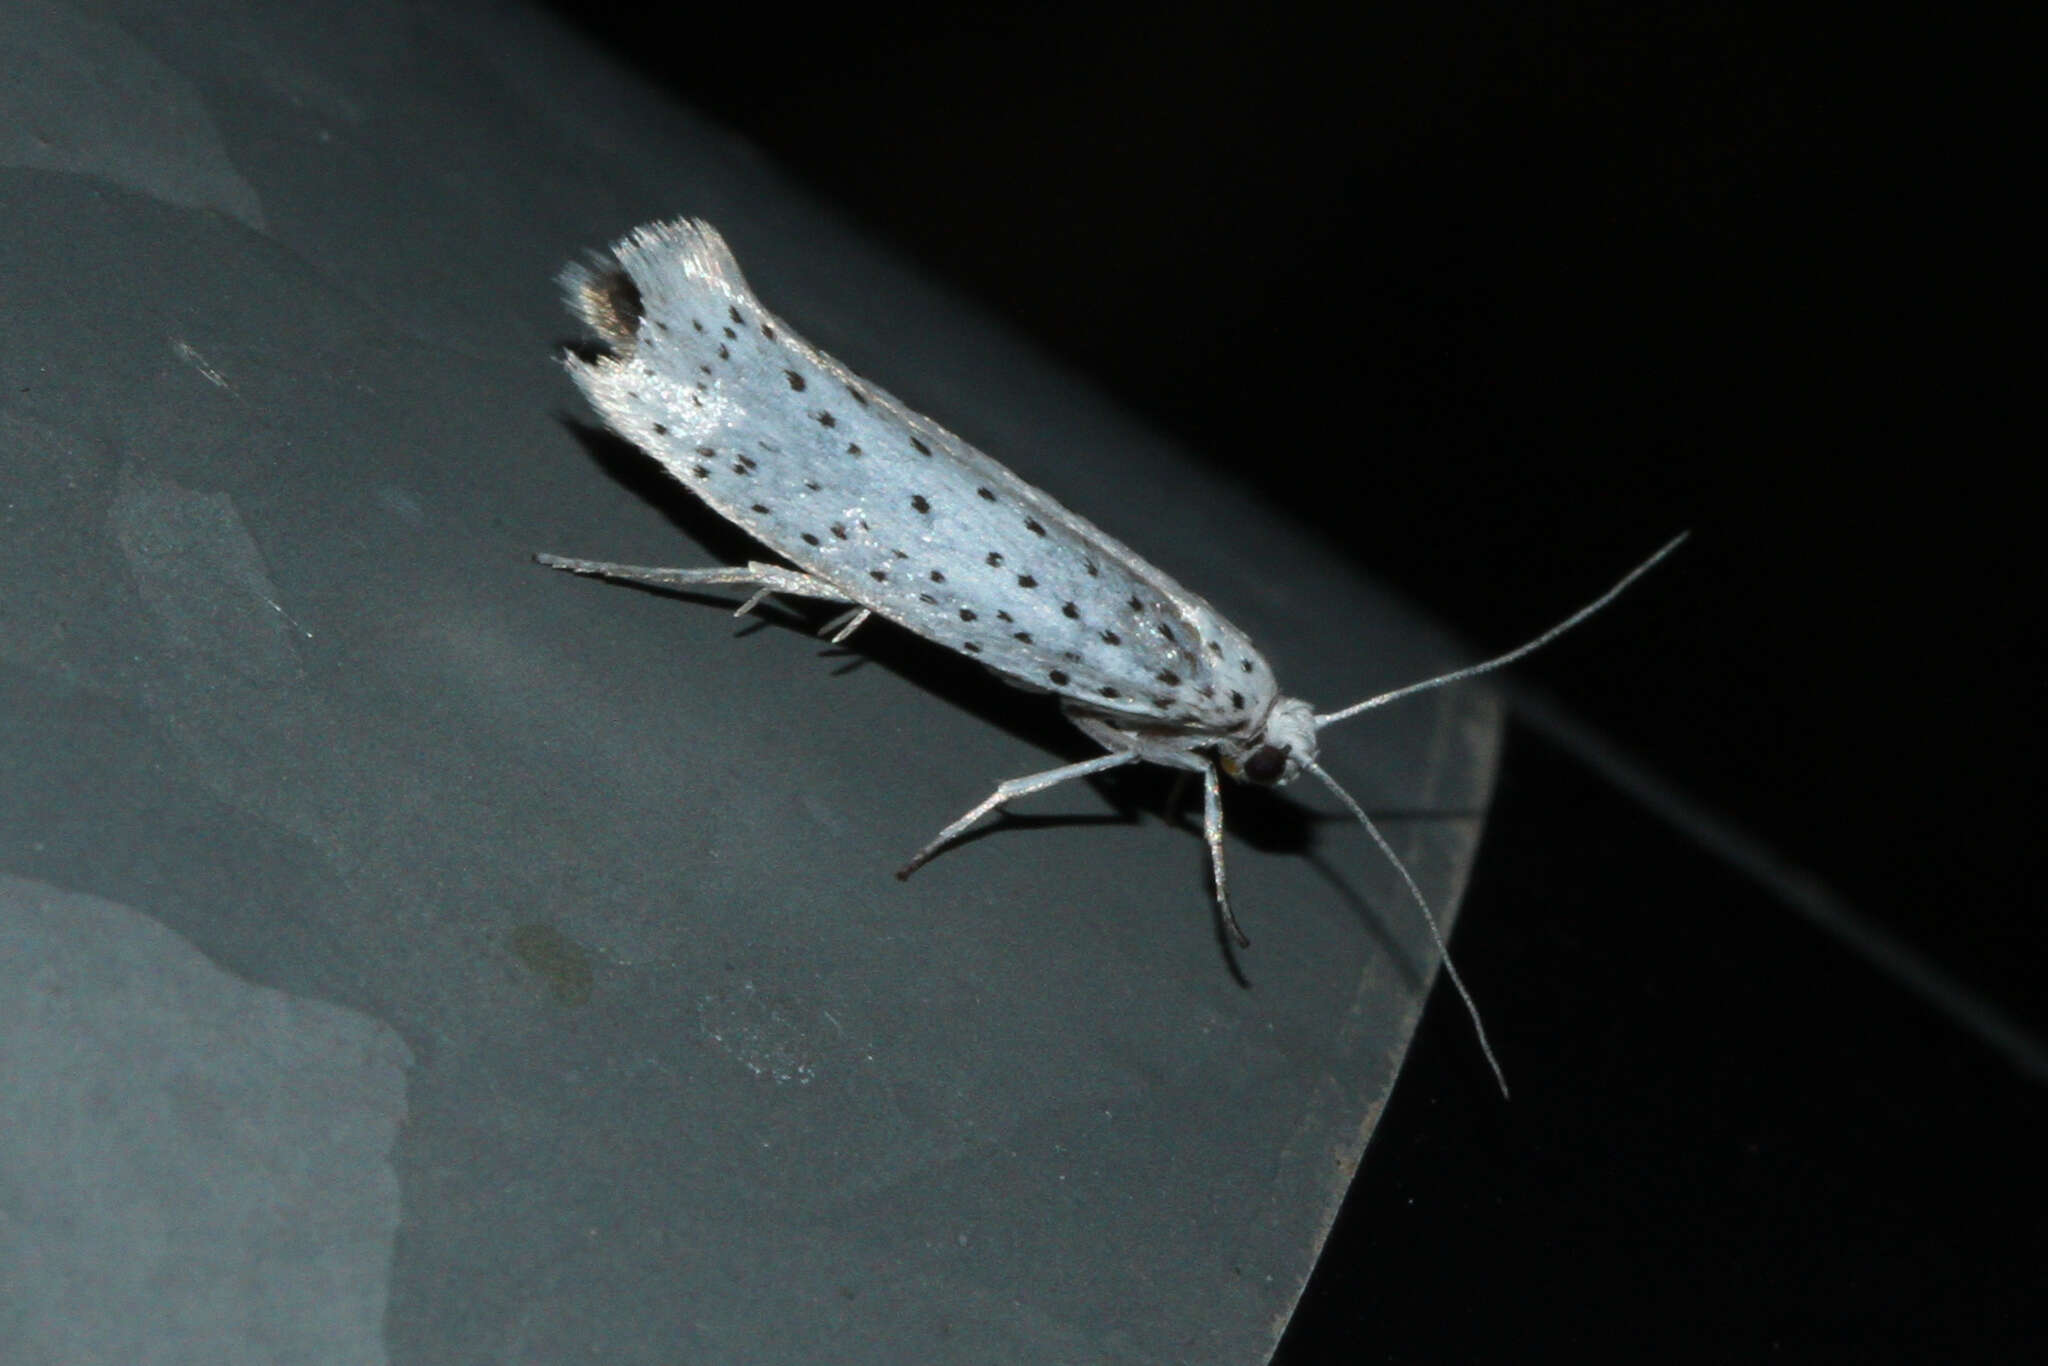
[(609, 301)]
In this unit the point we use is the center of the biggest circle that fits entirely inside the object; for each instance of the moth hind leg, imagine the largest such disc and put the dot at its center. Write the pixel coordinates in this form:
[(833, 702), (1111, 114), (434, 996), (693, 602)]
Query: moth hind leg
[(763, 578)]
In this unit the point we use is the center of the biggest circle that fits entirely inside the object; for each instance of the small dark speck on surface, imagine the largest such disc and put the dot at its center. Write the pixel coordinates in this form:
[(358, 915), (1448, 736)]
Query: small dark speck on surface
[(557, 960)]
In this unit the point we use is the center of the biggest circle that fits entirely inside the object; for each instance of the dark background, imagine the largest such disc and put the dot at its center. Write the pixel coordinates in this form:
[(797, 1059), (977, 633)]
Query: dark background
[(1498, 297)]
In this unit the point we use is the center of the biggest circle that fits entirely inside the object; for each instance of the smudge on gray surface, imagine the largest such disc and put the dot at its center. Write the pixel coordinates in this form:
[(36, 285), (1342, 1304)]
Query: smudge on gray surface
[(80, 95), (230, 690), (199, 572), (192, 1169)]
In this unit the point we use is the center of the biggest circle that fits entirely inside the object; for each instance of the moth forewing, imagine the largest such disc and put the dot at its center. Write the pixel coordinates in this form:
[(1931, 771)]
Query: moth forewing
[(890, 509)]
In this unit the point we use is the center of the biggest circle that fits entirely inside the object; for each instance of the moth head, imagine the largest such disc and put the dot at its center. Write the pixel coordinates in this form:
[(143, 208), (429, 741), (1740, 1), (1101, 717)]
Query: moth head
[(1277, 752)]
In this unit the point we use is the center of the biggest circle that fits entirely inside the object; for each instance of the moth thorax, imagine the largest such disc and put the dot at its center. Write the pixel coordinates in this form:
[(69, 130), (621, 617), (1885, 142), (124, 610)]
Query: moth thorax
[(1280, 749)]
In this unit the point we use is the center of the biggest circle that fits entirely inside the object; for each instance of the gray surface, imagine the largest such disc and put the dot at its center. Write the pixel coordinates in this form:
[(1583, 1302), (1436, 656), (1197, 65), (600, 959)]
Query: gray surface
[(692, 1077), (196, 1169)]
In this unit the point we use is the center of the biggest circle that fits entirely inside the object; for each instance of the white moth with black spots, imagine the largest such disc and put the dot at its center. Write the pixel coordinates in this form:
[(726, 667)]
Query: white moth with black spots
[(883, 510)]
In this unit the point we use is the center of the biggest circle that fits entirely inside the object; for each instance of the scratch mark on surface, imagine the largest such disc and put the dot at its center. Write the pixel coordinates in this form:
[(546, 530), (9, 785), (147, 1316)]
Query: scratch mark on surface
[(188, 353)]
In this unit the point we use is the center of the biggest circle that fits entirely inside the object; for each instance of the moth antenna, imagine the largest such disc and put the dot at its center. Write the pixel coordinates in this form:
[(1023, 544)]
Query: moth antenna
[(1443, 949), (1457, 675)]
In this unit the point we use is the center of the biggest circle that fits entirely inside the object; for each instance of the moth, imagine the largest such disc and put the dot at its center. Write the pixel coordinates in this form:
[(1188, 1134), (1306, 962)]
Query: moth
[(884, 512)]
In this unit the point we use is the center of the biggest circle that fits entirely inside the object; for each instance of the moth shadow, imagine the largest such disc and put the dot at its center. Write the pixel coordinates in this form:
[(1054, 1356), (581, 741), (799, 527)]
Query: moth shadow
[(1270, 820), (641, 475), (1376, 915)]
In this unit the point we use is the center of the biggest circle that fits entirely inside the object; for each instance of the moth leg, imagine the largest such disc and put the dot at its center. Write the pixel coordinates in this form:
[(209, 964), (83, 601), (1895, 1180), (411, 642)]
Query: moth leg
[(768, 578), (1212, 831), (840, 627), (1009, 791)]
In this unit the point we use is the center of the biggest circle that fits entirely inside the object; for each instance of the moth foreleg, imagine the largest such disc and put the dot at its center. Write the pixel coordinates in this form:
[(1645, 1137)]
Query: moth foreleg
[(1212, 831), (1010, 791)]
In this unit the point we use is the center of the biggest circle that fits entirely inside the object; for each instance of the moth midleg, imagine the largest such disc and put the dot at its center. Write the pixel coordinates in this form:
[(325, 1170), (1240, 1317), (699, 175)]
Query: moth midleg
[(1010, 791), (844, 625)]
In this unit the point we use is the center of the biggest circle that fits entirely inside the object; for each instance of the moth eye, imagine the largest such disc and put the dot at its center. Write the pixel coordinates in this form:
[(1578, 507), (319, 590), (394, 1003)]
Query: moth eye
[(1267, 764)]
